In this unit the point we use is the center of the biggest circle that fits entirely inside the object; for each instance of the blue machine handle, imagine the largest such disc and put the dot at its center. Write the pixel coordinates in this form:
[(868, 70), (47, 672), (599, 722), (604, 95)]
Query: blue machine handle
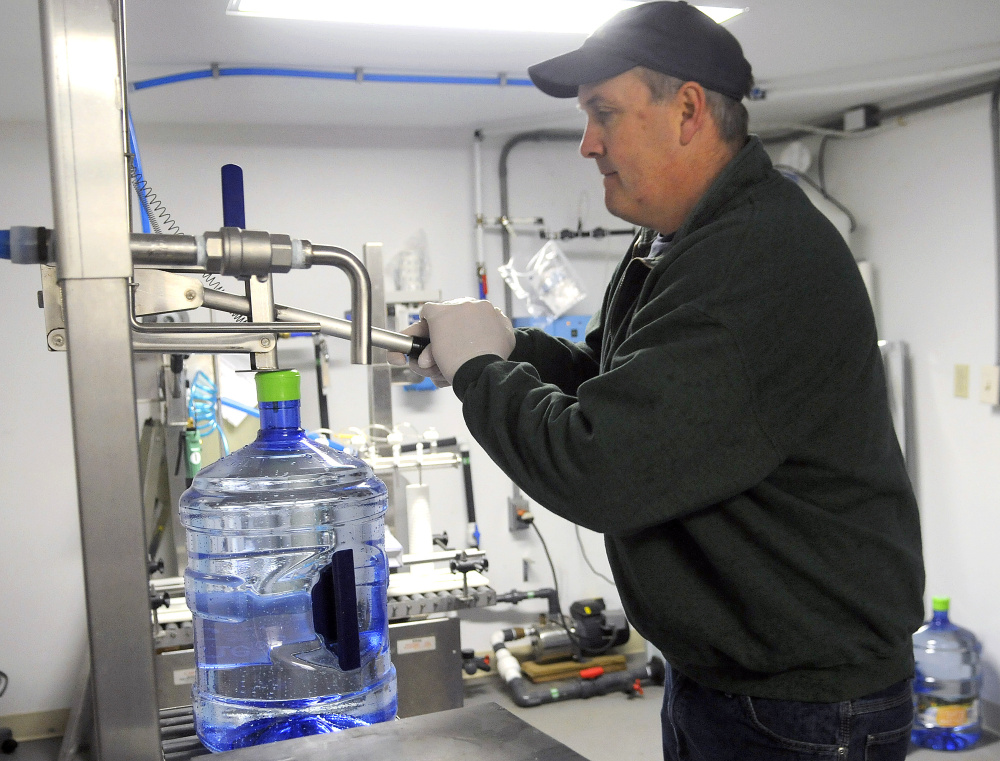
[(4, 244), (233, 210)]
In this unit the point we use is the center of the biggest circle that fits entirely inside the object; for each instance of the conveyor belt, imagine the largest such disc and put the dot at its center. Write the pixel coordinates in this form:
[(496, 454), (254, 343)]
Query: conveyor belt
[(177, 735)]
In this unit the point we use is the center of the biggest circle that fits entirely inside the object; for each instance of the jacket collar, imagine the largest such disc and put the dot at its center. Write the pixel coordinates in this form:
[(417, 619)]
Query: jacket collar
[(748, 167)]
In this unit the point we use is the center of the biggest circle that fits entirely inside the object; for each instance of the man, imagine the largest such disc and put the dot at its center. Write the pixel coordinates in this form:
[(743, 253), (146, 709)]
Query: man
[(725, 422)]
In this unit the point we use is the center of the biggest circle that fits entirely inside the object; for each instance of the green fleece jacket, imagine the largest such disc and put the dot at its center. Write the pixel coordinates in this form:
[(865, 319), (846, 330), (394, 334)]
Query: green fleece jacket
[(725, 425)]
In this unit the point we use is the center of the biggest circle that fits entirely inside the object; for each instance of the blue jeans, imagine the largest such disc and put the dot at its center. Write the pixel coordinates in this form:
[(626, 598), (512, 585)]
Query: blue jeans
[(700, 724)]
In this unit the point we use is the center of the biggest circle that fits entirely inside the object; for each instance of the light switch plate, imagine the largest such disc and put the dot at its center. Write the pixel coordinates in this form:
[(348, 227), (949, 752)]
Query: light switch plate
[(990, 389), (962, 381)]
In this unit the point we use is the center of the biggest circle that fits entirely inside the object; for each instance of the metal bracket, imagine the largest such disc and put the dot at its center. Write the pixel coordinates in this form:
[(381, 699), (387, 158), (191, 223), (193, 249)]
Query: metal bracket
[(50, 298), (159, 292)]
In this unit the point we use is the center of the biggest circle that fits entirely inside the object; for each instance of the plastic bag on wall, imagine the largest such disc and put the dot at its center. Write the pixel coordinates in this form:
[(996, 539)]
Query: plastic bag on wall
[(411, 267), (549, 286)]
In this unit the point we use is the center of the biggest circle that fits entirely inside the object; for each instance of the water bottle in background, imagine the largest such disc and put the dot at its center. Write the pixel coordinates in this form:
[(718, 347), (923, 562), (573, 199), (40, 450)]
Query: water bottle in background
[(947, 683), (286, 581)]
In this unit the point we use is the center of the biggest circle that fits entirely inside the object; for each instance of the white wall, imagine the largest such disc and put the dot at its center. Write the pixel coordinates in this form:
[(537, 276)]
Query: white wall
[(42, 605), (924, 199), (343, 188)]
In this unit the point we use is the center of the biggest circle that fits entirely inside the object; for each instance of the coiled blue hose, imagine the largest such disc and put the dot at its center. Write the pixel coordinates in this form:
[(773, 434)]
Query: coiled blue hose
[(204, 400), (202, 403)]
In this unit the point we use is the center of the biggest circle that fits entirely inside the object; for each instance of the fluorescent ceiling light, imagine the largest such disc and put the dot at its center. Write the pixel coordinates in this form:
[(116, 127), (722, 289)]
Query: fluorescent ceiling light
[(720, 14), (506, 16)]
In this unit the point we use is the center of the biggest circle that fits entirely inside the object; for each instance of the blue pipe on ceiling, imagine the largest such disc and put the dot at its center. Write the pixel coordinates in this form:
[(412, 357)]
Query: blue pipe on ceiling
[(359, 76)]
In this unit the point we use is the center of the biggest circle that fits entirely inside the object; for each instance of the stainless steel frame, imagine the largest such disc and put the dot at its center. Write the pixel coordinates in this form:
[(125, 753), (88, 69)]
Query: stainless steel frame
[(90, 199)]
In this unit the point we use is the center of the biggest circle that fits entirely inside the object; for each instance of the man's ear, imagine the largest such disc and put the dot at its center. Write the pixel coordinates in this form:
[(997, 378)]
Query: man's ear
[(694, 108)]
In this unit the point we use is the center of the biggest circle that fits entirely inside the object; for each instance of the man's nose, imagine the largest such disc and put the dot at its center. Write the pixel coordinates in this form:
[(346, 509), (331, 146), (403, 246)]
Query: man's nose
[(591, 146)]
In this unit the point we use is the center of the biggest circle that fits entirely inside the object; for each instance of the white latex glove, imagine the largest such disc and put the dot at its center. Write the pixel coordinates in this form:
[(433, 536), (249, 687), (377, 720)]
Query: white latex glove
[(458, 331)]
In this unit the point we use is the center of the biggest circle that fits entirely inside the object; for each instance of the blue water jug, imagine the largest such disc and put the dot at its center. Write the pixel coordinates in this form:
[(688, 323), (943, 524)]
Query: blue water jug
[(286, 581), (947, 684)]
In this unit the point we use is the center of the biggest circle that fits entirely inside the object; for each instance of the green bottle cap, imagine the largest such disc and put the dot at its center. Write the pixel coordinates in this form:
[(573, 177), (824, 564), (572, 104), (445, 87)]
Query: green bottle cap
[(940, 603), (278, 385)]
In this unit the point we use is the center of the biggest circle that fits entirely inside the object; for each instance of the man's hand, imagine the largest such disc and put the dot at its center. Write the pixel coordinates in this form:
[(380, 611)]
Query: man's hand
[(458, 331)]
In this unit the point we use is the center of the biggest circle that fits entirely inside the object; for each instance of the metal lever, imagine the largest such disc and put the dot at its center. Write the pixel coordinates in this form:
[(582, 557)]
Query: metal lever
[(361, 295), (331, 326)]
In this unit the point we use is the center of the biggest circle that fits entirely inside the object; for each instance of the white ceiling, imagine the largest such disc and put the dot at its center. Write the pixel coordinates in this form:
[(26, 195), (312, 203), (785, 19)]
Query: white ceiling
[(815, 58)]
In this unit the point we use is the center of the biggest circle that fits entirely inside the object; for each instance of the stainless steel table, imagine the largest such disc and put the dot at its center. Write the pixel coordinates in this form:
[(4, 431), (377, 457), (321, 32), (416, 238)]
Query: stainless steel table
[(485, 732)]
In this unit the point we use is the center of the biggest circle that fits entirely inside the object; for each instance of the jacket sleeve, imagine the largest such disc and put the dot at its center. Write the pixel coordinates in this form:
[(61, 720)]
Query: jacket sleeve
[(668, 429), (558, 361)]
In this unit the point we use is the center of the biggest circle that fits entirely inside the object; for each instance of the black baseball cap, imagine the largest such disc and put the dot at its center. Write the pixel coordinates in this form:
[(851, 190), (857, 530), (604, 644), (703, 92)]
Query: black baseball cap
[(670, 37)]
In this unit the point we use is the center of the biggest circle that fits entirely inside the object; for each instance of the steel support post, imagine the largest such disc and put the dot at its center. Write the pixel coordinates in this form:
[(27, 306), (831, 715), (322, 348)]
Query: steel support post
[(380, 392), (84, 101), (102, 393), (380, 372)]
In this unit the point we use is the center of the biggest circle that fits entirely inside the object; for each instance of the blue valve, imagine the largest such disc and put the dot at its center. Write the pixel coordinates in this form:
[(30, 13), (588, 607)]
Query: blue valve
[(4, 244)]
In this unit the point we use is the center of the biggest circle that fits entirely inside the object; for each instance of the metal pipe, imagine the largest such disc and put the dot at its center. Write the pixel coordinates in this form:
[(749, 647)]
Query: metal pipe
[(172, 328), (361, 295), (537, 135), (912, 107), (181, 251), (123, 90), (329, 326), (322, 379), (440, 557), (477, 167), (167, 251), (995, 130)]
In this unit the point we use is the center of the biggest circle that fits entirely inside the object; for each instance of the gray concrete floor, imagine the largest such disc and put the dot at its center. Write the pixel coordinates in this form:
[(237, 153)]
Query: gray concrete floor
[(606, 728)]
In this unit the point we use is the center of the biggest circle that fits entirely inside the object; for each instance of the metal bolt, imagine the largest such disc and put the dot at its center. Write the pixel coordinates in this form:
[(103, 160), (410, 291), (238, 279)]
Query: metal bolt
[(190, 294), (265, 342), (58, 340)]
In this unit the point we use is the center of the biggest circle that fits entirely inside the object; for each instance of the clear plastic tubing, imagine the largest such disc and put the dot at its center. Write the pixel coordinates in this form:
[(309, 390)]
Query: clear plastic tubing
[(286, 581)]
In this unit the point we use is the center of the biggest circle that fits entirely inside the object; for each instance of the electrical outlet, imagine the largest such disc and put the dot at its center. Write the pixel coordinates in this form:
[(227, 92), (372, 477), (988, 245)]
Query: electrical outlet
[(962, 381), (989, 392), (516, 507)]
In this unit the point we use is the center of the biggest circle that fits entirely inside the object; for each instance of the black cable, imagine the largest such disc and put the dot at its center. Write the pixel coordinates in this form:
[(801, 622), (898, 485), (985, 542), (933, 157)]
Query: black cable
[(3, 683), (552, 567), (574, 640), (579, 540)]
